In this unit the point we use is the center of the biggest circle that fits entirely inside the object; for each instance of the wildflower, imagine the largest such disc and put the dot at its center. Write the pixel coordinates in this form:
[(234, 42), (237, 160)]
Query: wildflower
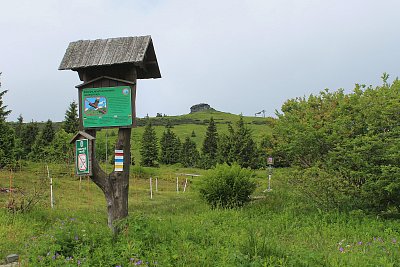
[(341, 249), (360, 243), (76, 238), (131, 259), (79, 262), (138, 262), (394, 241)]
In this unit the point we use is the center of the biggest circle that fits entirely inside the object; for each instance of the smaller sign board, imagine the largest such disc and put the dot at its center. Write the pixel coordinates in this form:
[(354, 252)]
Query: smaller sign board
[(119, 161), (270, 161), (82, 160)]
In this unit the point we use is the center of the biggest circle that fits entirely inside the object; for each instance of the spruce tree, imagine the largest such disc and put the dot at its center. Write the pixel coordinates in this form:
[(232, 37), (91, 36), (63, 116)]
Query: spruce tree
[(71, 122), (170, 146), (210, 146), (40, 150), (149, 147), (47, 134), (29, 135), (7, 140), (244, 150), (189, 154), (19, 127), (238, 146), (225, 147)]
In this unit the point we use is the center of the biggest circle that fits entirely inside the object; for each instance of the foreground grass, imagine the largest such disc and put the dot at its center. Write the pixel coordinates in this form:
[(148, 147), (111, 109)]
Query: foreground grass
[(178, 229)]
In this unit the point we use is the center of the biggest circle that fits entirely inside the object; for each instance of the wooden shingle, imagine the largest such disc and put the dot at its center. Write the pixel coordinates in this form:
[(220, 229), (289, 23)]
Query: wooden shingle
[(138, 51)]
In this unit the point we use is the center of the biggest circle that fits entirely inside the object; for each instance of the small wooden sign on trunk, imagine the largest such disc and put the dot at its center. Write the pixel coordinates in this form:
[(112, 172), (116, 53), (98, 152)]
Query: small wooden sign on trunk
[(83, 153)]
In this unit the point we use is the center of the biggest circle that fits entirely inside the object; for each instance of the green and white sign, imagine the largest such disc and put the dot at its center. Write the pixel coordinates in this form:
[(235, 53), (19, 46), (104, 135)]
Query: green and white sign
[(106, 107), (82, 157)]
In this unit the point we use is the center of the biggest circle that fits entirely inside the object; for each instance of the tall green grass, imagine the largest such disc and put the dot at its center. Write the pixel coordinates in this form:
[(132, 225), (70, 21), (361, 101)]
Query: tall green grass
[(178, 229)]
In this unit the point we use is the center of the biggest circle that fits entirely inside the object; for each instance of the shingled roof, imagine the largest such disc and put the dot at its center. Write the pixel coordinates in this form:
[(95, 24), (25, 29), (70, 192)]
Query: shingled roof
[(138, 51)]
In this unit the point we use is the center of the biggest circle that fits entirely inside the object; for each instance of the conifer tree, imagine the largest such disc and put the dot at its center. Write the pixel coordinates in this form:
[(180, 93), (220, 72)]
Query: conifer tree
[(47, 134), (170, 146), (210, 146), (149, 147), (40, 150), (71, 122), (189, 154), (7, 141), (238, 146), (28, 137), (19, 127), (225, 147), (245, 151)]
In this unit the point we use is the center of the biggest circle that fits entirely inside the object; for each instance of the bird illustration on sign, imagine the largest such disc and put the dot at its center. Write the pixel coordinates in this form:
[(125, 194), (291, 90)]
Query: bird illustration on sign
[(95, 105)]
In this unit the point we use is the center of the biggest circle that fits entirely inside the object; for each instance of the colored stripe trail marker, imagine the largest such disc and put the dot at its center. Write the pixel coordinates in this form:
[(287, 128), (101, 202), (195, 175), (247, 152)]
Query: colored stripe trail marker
[(119, 160)]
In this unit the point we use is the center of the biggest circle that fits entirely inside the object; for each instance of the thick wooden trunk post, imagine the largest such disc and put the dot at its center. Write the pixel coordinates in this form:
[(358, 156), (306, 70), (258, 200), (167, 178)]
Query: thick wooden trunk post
[(107, 63), (115, 185)]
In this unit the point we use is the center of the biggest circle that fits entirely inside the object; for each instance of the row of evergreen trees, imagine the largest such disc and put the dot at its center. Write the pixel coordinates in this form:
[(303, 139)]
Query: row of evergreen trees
[(236, 146), (50, 143)]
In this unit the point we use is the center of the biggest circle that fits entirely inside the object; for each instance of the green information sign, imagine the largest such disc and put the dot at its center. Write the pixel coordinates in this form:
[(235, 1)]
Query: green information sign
[(106, 107), (82, 157)]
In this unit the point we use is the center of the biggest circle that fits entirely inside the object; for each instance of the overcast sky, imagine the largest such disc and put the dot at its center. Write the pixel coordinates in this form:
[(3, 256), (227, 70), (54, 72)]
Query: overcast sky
[(237, 56)]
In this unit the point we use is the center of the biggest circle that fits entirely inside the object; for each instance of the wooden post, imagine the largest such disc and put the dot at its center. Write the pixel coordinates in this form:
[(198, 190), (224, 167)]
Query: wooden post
[(111, 63), (184, 188), (115, 185), (10, 188)]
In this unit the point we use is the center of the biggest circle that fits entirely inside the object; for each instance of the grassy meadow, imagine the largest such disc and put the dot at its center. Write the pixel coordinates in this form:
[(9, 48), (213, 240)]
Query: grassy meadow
[(174, 228)]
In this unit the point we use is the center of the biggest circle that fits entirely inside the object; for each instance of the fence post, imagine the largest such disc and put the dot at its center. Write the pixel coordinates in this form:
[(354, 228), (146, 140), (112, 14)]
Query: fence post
[(151, 189), (51, 187)]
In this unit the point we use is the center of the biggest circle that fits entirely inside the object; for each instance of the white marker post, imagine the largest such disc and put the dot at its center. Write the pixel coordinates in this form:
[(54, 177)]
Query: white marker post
[(151, 189), (177, 184), (184, 188), (156, 184), (270, 162), (51, 188)]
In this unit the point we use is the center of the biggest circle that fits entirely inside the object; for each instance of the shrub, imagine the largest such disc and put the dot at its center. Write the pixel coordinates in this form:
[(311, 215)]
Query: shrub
[(227, 186), (324, 190)]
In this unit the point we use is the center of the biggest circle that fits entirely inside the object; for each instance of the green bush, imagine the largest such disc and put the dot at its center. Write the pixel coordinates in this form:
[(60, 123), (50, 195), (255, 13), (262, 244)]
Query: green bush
[(227, 186), (324, 190)]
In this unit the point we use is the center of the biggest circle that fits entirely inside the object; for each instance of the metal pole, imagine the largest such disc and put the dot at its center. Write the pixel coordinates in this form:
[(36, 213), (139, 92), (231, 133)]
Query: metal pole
[(269, 179)]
